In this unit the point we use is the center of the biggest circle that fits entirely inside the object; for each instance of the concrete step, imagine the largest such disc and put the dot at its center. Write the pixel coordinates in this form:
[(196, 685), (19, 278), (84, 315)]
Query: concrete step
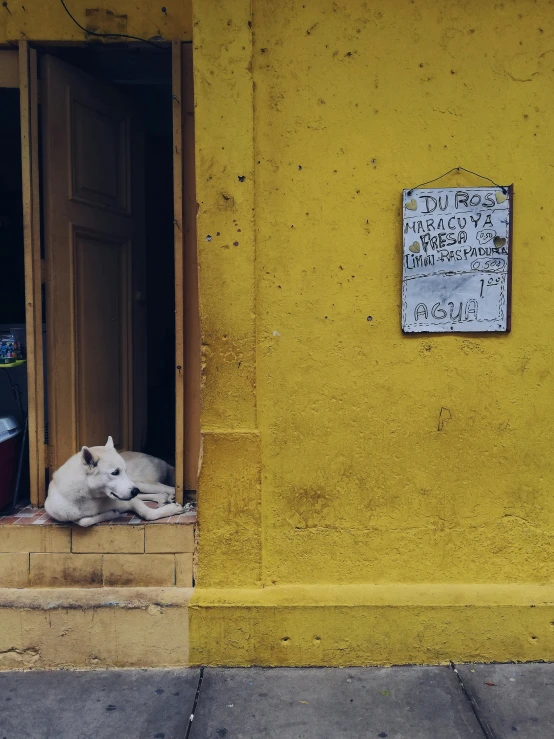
[(94, 627)]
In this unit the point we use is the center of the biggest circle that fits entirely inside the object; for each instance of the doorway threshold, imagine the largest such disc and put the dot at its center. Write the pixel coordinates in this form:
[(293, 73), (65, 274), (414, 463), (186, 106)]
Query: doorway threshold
[(30, 516)]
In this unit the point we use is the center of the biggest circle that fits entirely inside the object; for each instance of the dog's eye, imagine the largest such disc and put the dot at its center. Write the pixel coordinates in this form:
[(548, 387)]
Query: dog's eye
[(115, 472)]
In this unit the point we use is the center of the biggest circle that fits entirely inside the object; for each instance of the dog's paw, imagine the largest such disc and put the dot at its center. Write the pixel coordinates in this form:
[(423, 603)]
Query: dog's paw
[(173, 509), (170, 498)]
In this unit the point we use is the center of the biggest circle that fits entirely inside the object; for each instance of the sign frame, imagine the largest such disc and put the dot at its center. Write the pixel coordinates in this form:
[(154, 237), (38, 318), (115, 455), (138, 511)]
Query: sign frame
[(448, 328)]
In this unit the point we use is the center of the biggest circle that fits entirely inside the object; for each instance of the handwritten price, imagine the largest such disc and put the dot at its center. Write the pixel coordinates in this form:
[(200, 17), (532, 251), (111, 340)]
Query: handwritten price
[(489, 265), (484, 236)]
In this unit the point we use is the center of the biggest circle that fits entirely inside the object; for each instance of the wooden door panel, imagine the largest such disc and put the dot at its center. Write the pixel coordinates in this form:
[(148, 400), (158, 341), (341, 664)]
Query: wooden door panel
[(101, 338), (99, 171)]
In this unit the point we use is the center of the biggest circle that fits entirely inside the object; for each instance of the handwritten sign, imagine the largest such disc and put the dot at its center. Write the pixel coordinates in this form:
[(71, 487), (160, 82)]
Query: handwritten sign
[(456, 259)]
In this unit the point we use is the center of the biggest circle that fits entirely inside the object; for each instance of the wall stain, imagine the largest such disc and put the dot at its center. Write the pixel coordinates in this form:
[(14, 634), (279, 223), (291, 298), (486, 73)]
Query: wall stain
[(444, 415)]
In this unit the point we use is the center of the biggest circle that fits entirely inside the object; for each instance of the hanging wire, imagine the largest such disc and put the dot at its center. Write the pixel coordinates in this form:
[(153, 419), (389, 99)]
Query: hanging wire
[(108, 35), (504, 188)]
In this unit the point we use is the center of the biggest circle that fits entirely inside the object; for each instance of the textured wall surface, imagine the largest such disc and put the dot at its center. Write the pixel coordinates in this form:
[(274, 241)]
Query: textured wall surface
[(385, 458)]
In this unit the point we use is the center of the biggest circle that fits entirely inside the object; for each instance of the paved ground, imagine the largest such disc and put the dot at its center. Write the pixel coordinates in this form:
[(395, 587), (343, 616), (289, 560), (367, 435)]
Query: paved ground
[(468, 702)]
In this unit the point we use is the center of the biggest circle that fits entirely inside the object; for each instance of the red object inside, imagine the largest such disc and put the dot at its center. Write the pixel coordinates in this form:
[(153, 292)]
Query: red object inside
[(9, 451)]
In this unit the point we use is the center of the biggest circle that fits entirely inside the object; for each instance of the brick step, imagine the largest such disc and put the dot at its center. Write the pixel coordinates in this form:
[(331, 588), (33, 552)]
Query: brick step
[(42, 555)]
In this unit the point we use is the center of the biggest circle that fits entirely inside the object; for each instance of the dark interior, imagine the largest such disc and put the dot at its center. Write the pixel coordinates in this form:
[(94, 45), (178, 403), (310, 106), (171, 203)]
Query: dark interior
[(12, 289), (13, 380)]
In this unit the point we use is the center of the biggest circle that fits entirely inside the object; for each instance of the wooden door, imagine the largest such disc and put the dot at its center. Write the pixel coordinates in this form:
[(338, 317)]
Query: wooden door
[(93, 233)]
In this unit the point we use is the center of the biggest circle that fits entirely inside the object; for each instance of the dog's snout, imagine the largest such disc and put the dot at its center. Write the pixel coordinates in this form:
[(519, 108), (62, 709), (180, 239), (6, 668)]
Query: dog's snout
[(135, 492)]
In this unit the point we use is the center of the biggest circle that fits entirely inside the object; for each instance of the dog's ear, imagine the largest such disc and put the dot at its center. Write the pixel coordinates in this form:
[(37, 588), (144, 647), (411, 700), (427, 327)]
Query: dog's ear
[(87, 458), (109, 443)]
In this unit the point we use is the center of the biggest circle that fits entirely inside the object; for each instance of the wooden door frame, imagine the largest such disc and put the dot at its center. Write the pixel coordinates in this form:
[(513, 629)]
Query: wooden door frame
[(178, 238), (187, 320), (187, 309), (28, 90)]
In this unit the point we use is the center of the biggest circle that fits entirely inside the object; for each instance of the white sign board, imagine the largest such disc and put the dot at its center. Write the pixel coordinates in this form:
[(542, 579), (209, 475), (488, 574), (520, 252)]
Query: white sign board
[(456, 259)]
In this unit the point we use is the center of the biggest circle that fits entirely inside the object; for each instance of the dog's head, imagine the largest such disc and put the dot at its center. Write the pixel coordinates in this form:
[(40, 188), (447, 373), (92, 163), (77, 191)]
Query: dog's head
[(106, 472)]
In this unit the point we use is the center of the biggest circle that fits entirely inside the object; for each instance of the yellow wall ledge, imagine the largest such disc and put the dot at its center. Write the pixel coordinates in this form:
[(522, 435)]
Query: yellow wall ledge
[(372, 625)]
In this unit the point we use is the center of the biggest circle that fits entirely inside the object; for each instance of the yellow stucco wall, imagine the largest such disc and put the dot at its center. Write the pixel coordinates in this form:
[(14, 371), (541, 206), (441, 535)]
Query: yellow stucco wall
[(46, 20), (362, 482), (370, 458)]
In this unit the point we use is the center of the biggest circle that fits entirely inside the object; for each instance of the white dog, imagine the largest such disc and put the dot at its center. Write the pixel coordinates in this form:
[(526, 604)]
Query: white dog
[(98, 484)]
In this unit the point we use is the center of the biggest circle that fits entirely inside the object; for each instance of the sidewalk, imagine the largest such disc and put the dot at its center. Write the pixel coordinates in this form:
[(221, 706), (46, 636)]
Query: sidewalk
[(466, 702)]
